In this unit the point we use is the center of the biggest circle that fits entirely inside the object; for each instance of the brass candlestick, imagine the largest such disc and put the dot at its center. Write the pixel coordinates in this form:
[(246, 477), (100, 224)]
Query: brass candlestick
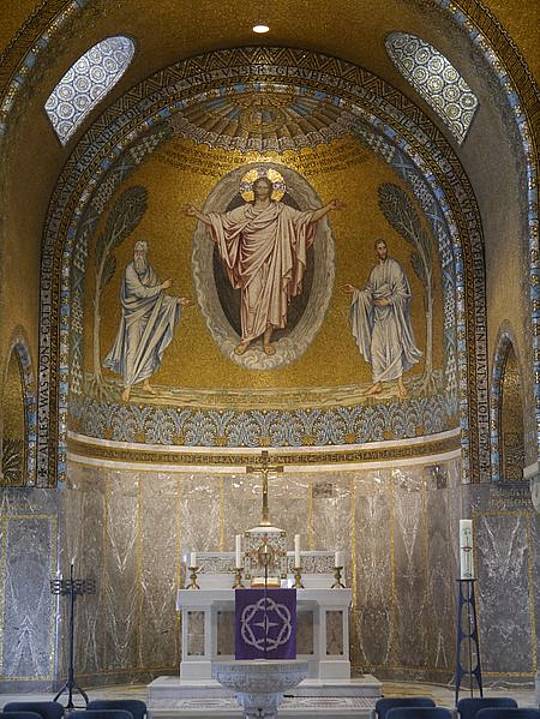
[(338, 584), (238, 584), (298, 578), (193, 577)]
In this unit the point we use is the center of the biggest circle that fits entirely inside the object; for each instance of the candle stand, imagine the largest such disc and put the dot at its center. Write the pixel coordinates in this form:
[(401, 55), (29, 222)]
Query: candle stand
[(298, 578), (193, 578), (338, 584), (238, 583), (72, 588), (469, 637)]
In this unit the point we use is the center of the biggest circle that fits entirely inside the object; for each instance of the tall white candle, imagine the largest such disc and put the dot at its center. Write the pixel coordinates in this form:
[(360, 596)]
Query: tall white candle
[(297, 550), (193, 559), (238, 558), (466, 557), (339, 559)]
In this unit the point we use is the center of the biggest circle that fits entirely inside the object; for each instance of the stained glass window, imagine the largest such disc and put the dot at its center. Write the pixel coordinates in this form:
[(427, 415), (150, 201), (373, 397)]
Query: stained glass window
[(86, 83), (434, 78)]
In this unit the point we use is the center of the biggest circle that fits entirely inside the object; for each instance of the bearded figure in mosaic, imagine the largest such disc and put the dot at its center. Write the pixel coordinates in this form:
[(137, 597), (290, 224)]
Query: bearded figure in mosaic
[(263, 245), (149, 317)]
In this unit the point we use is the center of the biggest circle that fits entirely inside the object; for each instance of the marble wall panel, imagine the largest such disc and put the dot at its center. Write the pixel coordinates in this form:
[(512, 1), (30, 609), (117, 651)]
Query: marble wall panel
[(83, 512), (440, 611), (242, 497), (201, 512), (409, 528), (28, 552), (331, 512), (372, 623), (121, 579), (506, 597), (27, 611), (160, 570)]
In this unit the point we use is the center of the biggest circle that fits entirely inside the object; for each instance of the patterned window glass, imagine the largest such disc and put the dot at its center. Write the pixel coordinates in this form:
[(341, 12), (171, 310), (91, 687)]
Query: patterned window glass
[(435, 79), (86, 83)]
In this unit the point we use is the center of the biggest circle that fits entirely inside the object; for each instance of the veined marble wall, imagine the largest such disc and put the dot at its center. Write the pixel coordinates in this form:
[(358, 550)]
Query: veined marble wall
[(129, 530), (28, 555)]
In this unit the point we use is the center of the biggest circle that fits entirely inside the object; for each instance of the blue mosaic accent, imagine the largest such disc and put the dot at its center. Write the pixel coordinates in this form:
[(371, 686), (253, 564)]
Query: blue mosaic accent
[(435, 79), (19, 345), (258, 428), (86, 83)]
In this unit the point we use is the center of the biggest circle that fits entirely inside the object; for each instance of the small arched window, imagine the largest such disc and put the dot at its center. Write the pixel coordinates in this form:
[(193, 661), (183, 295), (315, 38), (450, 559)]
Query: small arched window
[(86, 83), (434, 78)]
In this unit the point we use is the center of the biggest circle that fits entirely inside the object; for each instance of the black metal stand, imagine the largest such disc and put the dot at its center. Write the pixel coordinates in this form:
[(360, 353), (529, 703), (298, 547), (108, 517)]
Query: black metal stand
[(466, 602), (72, 588)]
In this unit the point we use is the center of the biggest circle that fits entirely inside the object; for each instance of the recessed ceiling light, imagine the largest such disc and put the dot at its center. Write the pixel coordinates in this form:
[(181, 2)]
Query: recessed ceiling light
[(260, 28)]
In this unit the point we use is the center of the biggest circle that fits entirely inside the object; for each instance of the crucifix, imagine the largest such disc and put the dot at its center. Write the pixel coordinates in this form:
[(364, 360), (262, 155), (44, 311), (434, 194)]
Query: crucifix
[(265, 469)]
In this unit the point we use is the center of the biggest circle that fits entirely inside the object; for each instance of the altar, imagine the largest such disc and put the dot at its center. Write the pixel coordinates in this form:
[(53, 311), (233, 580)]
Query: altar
[(322, 624)]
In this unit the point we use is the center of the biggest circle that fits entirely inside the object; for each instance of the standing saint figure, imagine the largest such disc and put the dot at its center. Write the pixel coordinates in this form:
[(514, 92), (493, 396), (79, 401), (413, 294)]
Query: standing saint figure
[(381, 322), (263, 246), (149, 317)]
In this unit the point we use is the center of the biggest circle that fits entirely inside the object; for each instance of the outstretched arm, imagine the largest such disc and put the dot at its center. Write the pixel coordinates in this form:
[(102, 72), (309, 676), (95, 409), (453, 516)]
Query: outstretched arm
[(322, 211), (192, 211)]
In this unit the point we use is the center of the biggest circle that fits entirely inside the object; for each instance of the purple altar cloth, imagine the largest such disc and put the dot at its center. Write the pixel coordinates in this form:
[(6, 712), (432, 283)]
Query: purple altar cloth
[(265, 624)]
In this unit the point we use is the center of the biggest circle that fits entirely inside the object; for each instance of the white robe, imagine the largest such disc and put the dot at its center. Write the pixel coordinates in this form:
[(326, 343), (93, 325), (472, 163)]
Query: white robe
[(264, 253), (384, 335), (149, 317)]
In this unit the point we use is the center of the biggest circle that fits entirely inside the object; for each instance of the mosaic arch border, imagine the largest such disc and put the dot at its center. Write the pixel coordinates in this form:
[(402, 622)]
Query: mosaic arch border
[(19, 345), (505, 339), (65, 225)]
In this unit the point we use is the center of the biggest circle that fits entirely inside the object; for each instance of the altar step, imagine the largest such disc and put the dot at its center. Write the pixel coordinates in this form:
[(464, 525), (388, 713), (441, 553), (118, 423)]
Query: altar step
[(291, 708), (173, 698)]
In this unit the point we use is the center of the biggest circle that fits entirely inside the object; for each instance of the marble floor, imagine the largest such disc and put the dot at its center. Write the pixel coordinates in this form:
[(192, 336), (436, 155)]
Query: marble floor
[(441, 694)]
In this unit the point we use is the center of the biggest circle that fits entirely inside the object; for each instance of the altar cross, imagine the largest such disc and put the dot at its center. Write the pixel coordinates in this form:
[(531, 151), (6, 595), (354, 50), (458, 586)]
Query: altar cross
[(264, 468)]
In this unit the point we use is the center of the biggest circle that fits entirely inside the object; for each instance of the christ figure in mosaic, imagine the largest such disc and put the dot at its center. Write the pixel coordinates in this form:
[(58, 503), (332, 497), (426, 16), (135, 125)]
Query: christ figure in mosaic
[(263, 245)]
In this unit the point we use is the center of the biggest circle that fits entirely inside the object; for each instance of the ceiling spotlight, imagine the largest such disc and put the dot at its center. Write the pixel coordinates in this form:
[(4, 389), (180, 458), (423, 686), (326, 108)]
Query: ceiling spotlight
[(260, 28)]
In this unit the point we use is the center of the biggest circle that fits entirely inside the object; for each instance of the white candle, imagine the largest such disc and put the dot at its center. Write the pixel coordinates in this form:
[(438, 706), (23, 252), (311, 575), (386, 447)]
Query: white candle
[(193, 559), (297, 550), (339, 559), (238, 559), (466, 557)]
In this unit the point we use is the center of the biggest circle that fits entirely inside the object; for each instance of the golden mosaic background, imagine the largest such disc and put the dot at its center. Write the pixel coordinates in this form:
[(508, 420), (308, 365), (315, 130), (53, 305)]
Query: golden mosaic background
[(181, 173)]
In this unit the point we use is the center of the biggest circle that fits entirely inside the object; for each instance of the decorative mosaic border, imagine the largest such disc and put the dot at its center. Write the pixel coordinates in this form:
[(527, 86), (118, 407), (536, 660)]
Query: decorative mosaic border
[(19, 345), (505, 340), (123, 452), (156, 114)]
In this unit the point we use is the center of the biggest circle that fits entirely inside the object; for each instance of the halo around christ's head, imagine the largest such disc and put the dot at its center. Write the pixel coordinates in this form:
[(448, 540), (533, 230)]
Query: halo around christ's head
[(275, 177)]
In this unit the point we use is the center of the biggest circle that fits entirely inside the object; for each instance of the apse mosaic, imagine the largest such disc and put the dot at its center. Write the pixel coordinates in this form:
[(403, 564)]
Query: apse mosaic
[(169, 325), (435, 78), (253, 395)]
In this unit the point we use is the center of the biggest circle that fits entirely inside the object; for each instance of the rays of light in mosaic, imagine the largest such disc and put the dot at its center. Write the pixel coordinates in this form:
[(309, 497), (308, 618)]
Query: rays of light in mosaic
[(435, 79), (86, 83)]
